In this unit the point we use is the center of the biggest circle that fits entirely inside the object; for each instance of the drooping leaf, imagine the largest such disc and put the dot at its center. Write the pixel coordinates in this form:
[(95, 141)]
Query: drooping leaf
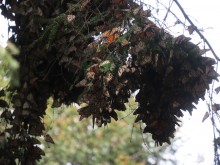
[(3, 104), (217, 90), (48, 139), (206, 115)]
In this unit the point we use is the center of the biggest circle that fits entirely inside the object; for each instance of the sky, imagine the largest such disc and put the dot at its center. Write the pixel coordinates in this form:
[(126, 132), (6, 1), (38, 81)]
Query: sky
[(196, 144)]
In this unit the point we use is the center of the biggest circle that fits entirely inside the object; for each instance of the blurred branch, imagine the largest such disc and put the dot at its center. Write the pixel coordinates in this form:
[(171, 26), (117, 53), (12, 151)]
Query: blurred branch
[(196, 29)]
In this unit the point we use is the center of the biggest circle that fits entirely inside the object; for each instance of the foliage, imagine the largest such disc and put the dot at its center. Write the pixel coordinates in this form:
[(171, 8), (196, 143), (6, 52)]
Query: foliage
[(9, 66), (97, 52), (8, 75), (78, 143)]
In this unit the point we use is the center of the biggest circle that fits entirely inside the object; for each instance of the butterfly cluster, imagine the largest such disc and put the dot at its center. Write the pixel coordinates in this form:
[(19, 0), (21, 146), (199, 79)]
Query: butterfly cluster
[(99, 53), (170, 73)]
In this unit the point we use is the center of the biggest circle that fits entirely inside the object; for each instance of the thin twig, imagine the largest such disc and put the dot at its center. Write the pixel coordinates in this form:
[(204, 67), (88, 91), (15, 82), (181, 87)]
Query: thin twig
[(168, 10), (197, 30)]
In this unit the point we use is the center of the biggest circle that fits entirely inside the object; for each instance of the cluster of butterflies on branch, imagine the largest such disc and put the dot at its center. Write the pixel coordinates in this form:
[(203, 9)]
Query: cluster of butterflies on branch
[(99, 53)]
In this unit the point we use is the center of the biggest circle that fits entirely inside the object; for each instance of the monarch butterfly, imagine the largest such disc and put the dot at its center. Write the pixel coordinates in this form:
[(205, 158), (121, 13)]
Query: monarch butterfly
[(112, 37), (119, 2), (110, 32), (149, 34)]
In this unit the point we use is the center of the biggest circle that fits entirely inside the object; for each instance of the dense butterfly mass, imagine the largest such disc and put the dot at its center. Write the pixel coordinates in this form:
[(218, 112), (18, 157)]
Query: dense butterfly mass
[(99, 53)]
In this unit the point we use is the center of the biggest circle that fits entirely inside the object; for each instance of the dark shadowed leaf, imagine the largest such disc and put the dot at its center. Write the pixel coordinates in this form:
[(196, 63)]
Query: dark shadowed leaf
[(56, 104), (215, 107), (217, 90), (206, 115), (49, 139), (191, 29), (114, 115), (2, 93), (3, 103), (39, 151)]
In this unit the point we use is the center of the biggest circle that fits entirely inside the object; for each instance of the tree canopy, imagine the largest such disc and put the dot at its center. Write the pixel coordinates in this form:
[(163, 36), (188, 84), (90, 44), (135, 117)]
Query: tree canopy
[(77, 143), (97, 52)]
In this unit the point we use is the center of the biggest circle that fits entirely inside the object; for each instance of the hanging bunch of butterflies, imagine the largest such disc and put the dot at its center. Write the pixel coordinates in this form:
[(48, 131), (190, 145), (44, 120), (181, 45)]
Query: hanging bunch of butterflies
[(170, 73), (97, 52)]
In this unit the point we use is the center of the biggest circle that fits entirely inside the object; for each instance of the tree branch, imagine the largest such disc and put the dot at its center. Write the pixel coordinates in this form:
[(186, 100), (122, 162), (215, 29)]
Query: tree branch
[(196, 29)]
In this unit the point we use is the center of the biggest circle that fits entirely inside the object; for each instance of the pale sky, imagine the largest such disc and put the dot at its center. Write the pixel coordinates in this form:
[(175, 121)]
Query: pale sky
[(195, 146)]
